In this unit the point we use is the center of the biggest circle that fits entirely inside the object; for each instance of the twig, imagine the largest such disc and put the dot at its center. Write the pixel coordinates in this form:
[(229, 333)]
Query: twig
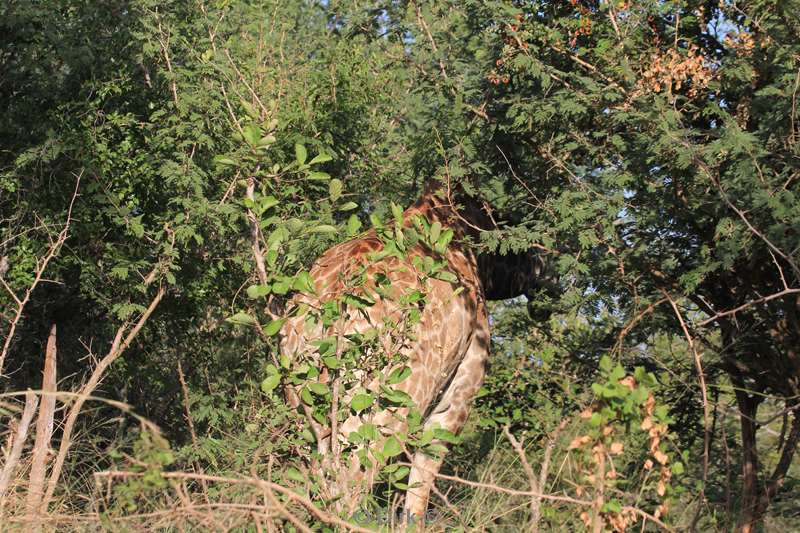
[(526, 466), (762, 300), (165, 51), (188, 412), (703, 391), (255, 231), (31, 401)]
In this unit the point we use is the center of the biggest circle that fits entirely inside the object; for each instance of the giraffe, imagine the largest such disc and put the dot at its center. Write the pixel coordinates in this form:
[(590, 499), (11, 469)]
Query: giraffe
[(446, 350)]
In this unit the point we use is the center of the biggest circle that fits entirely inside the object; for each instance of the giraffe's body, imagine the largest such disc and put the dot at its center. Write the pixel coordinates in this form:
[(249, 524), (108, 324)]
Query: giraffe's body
[(446, 350)]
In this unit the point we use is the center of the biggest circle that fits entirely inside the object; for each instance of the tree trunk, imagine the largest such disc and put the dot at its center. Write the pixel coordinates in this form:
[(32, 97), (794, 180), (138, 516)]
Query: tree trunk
[(750, 502)]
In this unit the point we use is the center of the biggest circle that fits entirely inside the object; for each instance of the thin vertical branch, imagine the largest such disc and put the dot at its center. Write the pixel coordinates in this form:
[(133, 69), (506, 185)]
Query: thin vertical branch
[(190, 422), (10, 466), (536, 501), (44, 429), (703, 392)]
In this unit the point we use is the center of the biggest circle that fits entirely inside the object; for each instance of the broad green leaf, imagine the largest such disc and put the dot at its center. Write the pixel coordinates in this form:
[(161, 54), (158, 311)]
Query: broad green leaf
[(349, 206), (257, 291), (436, 230), (220, 160), (325, 228), (319, 176), (397, 212), (353, 225), (446, 435), (319, 389), (392, 447), (294, 474), (398, 375), (305, 395), (361, 401), (300, 153), (331, 361), (249, 109), (241, 319), (270, 383), (335, 189), (273, 327), (320, 158), (252, 134), (266, 140)]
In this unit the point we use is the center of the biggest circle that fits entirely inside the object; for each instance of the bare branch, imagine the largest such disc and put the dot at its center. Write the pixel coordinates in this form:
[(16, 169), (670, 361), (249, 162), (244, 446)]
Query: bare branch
[(44, 429), (703, 391), (31, 401)]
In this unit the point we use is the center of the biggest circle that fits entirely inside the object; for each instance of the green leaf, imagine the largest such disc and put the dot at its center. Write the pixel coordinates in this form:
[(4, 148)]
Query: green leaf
[(331, 361), (300, 153), (446, 435), (303, 282), (241, 319), (322, 157), (436, 230), (612, 506), (392, 447), (257, 291), (294, 474), (361, 401), (353, 225), (220, 160), (270, 382), (375, 220), (368, 431), (398, 375), (325, 228), (335, 189), (446, 275), (252, 134), (249, 109), (397, 212), (281, 287), (349, 206), (266, 140), (319, 176), (320, 389), (305, 395), (273, 327), (267, 202)]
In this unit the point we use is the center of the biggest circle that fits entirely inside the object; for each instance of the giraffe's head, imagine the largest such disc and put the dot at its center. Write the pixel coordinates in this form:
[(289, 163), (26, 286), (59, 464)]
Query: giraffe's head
[(528, 273)]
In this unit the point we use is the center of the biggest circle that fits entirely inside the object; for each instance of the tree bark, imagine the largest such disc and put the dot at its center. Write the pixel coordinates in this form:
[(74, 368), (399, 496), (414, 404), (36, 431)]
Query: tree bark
[(751, 511)]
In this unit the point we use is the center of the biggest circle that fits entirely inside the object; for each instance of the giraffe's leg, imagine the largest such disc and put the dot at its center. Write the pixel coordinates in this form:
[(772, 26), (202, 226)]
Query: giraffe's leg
[(450, 413)]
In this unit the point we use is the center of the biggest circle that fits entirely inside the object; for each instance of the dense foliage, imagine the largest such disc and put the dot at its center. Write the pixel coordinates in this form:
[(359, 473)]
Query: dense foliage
[(151, 151)]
